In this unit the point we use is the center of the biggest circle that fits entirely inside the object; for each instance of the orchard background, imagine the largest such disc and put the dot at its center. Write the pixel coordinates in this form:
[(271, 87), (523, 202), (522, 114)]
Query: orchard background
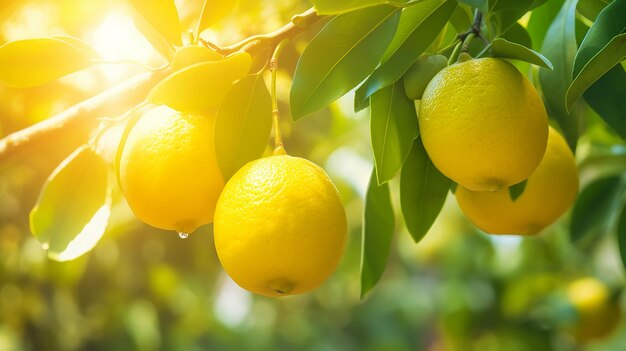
[(131, 286)]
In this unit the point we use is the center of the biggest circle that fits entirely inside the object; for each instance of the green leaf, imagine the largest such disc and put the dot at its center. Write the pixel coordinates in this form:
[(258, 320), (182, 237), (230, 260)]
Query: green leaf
[(74, 206), (610, 23), (559, 47), (243, 124), (482, 5), (505, 13), (393, 126), (360, 101), (610, 56), (602, 48), (505, 49), (540, 20), (342, 54), (31, 62), (213, 11), (518, 34), (419, 26), (334, 7), (162, 16), (593, 207), (517, 189), (423, 191), (621, 235), (591, 8), (378, 227), (201, 86), (607, 97)]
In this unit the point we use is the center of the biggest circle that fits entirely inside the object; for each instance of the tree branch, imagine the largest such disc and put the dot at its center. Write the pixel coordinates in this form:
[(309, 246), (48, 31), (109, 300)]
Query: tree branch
[(121, 98), (84, 114), (298, 24)]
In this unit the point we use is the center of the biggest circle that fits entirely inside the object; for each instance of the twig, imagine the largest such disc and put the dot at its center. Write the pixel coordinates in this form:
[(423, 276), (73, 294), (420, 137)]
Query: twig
[(81, 115), (253, 43)]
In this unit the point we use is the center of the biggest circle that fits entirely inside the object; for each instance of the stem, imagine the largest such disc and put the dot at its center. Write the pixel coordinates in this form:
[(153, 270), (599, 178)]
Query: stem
[(297, 25), (82, 116), (469, 35), (279, 147)]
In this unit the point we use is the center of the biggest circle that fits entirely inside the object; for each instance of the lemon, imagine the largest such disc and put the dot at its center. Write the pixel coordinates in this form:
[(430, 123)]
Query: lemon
[(597, 314), (483, 124), (280, 227), (168, 170), (549, 192)]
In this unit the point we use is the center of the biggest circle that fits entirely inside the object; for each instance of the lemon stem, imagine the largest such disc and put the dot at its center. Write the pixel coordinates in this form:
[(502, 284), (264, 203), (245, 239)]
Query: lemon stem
[(466, 37), (279, 148)]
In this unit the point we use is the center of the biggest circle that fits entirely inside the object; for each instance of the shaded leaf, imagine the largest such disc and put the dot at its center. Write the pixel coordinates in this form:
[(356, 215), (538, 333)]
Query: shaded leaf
[(378, 227), (482, 5), (601, 49), (621, 235), (243, 124), (540, 20), (505, 13), (593, 207), (518, 34), (360, 101), (342, 54), (516, 190), (423, 191), (505, 49), (334, 7), (213, 11), (559, 47), (591, 8), (162, 16), (418, 27), (74, 206), (611, 55), (393, 126), (202, 85), (607, 97), (31, 62), (610, 23)]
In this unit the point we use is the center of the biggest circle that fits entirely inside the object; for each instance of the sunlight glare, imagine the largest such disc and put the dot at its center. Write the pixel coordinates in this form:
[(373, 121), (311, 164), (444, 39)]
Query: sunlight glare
[(117, 39)]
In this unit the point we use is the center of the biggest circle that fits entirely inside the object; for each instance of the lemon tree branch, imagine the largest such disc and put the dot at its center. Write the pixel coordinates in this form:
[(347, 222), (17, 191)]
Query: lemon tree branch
[(120, 98), (80, 116), (297, 25)]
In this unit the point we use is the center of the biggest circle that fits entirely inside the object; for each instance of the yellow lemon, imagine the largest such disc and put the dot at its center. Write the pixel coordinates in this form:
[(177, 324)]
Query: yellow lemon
[(483, 124), (168, 170), (280, 227), (549, 192), (597, 314)]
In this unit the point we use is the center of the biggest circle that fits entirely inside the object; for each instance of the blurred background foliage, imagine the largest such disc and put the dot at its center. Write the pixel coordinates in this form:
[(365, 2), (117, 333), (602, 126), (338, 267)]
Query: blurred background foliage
[(146, 289)]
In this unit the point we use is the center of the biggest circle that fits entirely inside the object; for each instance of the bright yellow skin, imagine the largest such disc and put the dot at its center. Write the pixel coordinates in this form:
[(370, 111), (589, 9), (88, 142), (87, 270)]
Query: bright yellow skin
[(168, 170), (597, 314), (280, 227), (549, 192), (483, 124)]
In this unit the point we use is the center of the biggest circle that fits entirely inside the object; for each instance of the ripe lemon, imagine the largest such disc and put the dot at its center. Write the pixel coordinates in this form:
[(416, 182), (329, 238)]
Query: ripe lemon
[(597, 314), (280, 228), (549, 192), (168, 170), (483, 124)]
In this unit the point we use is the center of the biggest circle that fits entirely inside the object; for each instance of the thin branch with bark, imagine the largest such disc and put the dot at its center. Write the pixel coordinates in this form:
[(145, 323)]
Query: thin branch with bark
[(118, 99)]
